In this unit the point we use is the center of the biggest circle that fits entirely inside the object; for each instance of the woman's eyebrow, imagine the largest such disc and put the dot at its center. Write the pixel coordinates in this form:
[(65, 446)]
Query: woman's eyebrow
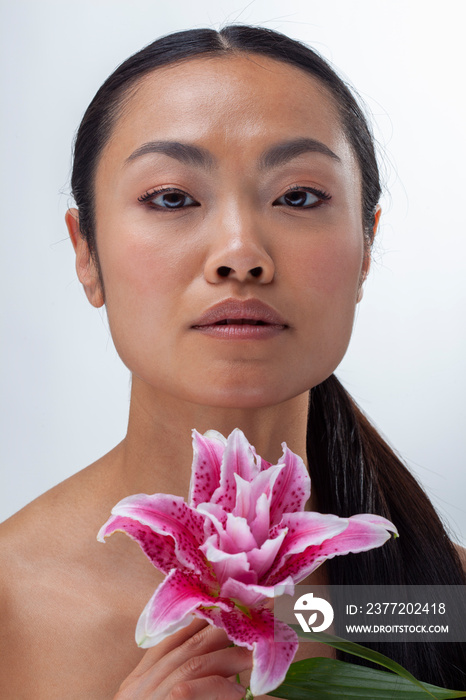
[(287, 150), (274, 156), (184, 152)]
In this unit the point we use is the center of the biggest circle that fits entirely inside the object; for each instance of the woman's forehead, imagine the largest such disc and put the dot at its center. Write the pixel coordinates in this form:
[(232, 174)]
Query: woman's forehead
[(242, 100)]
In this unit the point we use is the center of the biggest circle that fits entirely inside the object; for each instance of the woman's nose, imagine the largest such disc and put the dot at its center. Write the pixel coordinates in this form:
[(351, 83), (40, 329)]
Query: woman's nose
[(239, 255)]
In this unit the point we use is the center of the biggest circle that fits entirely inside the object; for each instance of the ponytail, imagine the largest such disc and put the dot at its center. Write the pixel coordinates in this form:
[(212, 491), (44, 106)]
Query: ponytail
[(353, 470)]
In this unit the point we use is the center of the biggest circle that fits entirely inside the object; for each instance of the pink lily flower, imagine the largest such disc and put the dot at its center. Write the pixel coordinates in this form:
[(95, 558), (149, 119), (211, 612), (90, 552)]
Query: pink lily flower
[(243, 539)]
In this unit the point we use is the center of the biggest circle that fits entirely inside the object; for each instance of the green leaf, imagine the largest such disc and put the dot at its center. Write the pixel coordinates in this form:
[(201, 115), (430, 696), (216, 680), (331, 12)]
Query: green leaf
[(326, 679), (358, 650), (330, 679)]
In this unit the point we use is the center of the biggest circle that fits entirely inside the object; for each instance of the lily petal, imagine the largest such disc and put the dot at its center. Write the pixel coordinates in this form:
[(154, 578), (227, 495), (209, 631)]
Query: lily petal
[(216, 518), (238, 458), (169, 516), (361, 534), (271, 659), (158, 548), (233, 533), (237, 536), (252, 594), (305, 530), (228, 565), (260, 525), (205, 476), (172, 607), (292, 488), (376, 520), (261, 559), (248, 492)]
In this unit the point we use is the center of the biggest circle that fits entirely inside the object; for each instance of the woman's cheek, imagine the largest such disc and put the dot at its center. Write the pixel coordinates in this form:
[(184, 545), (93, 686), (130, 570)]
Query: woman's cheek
[(330, 268), (140, 281)]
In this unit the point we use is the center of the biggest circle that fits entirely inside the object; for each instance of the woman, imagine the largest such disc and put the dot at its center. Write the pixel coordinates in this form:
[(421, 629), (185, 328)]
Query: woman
[(218, 177)]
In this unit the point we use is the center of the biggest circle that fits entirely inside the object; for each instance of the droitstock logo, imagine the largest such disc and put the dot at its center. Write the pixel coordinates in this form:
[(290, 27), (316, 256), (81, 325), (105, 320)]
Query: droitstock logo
[(375, 613), (311, 604)]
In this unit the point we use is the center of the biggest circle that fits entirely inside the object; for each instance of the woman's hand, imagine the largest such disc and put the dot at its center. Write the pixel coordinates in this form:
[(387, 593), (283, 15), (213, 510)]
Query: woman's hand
[(196, 663)]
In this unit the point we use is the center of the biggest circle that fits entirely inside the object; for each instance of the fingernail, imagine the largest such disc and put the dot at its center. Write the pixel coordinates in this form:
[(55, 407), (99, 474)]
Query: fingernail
[(240, 689)]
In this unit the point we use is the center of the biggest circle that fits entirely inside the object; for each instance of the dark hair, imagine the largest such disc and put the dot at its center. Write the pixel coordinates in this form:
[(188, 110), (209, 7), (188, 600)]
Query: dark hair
[(352, 469)]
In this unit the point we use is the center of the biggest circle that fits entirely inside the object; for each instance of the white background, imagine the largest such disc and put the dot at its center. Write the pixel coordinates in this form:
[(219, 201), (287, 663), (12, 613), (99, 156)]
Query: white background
[(64, 392)]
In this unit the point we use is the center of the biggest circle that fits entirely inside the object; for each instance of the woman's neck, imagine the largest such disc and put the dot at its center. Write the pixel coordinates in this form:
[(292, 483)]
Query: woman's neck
[(156, 454)]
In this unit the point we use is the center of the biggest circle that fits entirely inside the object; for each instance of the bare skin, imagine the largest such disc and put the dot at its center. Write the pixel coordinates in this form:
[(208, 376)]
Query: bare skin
[(70, 604)]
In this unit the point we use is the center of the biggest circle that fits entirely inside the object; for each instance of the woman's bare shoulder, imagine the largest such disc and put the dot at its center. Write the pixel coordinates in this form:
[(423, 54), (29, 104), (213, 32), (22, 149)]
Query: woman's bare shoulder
[(60, 595), (57, 531), (65, 508), (41, 544), (29, 542), (45, 522)]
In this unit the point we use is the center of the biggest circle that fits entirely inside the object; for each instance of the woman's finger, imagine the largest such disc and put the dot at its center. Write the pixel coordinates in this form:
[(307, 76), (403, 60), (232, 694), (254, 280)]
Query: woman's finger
[(172, 653), (212, 688), (184, 657), (154, 654), (222, 662)]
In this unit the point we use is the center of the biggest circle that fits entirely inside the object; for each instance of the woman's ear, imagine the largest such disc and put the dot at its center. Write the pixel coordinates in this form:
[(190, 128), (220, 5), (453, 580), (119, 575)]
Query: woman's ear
[(366, 264), (85, 265)]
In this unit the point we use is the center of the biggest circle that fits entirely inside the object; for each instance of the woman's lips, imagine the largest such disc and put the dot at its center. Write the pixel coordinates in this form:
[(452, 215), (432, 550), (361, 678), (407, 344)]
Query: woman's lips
[(240, 319)]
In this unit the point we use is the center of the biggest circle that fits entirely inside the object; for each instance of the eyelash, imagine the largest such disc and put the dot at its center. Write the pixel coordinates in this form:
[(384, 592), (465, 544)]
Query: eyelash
[(150, 194), (320, 194)]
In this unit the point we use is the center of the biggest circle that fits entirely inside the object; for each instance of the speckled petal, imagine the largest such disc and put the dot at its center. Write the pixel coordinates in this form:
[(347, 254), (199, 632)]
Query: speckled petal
[(208, 451), (169, 516), (172, 607), (158, 548), (292, 488), (215, 520), (306, 532), (309, 528), (363, 532), (255, 630)]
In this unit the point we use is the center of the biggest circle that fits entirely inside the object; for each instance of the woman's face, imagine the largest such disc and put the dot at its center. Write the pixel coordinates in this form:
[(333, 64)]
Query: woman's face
[(230, 179)]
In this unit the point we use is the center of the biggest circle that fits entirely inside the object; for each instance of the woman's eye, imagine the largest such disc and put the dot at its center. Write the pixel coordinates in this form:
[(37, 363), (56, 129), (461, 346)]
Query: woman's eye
[(304, 198), (168, 199)]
